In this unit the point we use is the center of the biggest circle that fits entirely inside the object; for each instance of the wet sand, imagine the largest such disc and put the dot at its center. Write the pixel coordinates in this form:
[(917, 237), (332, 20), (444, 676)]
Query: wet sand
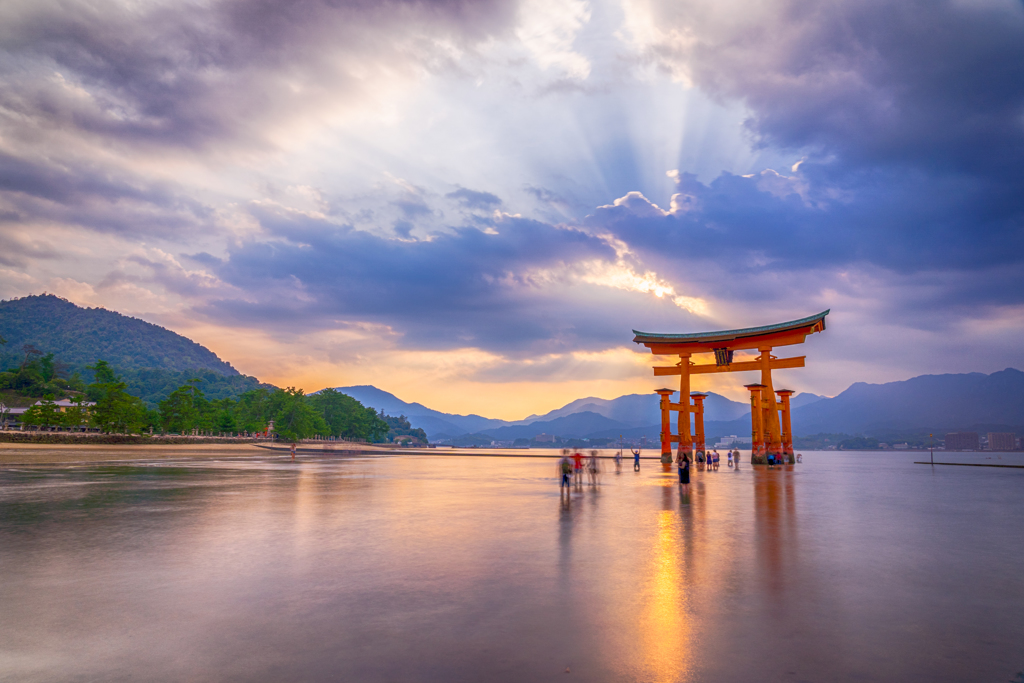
[(58, 454), (50, 454)]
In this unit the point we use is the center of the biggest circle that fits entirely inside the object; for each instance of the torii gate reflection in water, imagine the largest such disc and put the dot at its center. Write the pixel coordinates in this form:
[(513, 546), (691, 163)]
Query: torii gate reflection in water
[(769, 436)]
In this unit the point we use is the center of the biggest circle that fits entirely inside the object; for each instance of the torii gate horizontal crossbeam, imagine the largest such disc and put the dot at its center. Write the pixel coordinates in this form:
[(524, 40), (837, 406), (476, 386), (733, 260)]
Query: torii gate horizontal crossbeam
[(776, 364)]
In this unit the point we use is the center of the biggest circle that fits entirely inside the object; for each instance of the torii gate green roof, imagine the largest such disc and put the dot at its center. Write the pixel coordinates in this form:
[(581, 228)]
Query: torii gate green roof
[(728, 335)]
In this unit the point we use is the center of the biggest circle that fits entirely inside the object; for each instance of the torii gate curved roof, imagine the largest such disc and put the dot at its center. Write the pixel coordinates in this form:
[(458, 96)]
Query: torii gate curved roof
[(780, 334)]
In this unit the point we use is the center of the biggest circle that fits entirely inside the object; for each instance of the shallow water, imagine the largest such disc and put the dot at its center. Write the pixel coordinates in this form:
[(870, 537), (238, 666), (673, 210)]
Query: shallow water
[(849, 566)]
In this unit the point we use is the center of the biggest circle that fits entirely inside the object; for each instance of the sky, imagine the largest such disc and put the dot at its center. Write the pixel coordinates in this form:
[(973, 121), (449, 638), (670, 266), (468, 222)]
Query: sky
[(473, 204)]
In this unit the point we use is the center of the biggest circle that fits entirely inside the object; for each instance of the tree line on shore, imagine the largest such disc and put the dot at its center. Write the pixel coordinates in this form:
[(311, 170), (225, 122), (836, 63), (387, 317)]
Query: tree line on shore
[(187, 410)]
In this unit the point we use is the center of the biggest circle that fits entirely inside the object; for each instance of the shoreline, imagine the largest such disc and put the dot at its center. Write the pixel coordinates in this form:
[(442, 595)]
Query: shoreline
[(56, 454), (28, 454)]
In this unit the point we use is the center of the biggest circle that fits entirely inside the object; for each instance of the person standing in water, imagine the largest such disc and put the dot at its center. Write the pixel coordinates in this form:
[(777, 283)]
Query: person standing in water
[(618, 461), (577, 467), (684, 469), (593, 469), (293, 451), (565, 469), (636, 460)]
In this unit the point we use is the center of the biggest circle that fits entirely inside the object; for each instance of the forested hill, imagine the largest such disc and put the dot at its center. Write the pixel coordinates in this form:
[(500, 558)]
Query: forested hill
[(81, 336)]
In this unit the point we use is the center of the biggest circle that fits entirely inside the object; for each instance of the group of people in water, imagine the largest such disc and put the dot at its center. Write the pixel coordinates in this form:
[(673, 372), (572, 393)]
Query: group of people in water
[(710, 460), (574, 466)]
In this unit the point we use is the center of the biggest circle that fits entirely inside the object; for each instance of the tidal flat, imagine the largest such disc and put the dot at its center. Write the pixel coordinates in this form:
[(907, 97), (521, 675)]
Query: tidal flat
[(216, 567)]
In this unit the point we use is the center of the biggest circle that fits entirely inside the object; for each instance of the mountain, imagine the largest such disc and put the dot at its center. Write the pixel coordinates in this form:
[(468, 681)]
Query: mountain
[(580, 418), (803, 399), (429, 420), (940, 402), (637, 410), (576, 425), (152, 360), (81, 336), (931, 402)]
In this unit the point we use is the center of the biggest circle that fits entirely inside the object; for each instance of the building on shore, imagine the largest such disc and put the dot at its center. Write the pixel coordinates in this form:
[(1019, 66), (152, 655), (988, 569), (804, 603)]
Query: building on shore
[(963, 441), (1002, 441)]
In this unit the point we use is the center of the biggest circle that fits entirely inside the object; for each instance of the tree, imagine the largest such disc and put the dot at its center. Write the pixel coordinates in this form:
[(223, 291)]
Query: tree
[(347, 417), (224, 410), (119, 411), (48, 367), (76, 415), (294, 417), (30, 352), (399, 426), (185, 409), (254, 410), (45, 413), (102, 372), (116, 410), (76, 383)]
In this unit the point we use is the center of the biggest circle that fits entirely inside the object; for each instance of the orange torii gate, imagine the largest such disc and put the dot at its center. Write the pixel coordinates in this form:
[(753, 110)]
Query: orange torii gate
[(769, 436)]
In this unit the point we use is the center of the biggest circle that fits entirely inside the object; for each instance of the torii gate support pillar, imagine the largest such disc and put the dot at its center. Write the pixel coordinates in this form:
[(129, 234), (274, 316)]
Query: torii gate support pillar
[(769, 410), (698, 422), (757, 453), (666, 424)]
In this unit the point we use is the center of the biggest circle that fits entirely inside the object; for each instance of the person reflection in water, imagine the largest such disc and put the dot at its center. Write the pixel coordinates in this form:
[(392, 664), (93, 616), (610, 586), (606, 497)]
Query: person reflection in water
[(636, 459)]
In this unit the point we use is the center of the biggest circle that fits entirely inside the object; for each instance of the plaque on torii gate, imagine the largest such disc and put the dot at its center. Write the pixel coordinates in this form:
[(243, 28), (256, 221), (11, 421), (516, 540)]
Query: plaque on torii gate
[(768, 435)]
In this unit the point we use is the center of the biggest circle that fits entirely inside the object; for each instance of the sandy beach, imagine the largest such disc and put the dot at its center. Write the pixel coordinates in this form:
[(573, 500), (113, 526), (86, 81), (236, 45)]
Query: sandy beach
[(51, 454), (44, 454)]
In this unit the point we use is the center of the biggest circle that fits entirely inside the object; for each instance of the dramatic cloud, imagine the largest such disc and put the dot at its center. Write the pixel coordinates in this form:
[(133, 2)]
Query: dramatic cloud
[(205, 74), (496, 192), (508, 284), (872, 81)]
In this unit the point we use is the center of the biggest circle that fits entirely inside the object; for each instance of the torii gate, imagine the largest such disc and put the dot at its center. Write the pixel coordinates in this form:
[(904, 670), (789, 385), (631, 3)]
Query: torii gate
[(769, 436)]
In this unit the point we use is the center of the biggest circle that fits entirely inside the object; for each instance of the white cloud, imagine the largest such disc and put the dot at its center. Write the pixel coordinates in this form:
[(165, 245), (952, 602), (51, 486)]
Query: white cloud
[(548, 29)]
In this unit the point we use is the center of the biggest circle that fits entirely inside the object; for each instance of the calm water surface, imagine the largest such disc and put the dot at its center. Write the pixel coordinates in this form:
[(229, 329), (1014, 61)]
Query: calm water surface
[(849, 567)]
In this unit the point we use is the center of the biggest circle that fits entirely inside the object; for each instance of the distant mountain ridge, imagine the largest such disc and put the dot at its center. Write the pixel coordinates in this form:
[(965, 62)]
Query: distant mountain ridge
[(639, 409), (928, 402), (621, 414), (154, 360), (81, 336)]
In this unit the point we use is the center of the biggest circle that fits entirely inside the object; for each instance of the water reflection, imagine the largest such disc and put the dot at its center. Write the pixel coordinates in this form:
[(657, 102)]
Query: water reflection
[(459, 569), (776, 532), (664, 626)]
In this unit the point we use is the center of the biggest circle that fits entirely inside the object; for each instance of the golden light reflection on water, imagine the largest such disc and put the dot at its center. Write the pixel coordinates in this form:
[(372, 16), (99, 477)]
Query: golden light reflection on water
[(665, 629)]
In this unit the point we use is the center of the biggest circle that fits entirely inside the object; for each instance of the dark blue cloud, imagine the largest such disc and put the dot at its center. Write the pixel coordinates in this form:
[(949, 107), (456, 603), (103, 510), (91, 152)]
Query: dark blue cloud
[(910, 118), (95, 196), (475, 200), (497, 290), (873, 81), (212, 73), (898, 221)]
